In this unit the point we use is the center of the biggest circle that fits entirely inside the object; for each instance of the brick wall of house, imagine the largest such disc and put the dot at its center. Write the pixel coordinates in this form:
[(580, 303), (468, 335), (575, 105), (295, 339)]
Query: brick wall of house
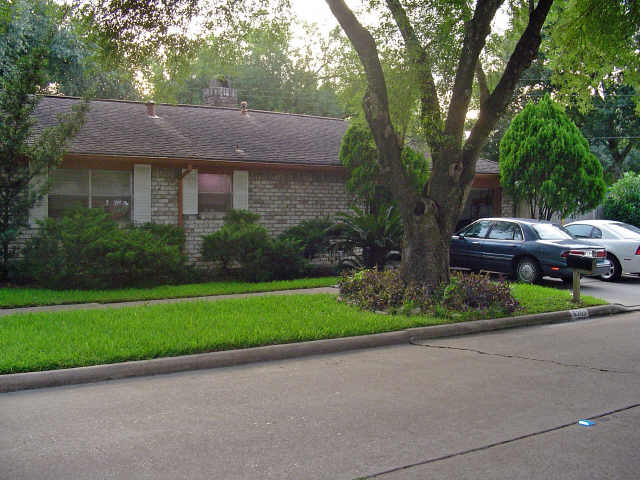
[(164, 195), (281, 198)]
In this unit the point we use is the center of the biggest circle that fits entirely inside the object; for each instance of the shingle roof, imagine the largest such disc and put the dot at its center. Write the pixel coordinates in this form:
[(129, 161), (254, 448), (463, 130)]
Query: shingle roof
[(487, 166), (124, 128)]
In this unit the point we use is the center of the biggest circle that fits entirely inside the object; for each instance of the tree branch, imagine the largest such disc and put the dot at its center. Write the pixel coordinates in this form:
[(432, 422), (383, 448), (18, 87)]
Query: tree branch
[(376, 102), (522, 56), (430, 115), (482, 83), (475, 35)]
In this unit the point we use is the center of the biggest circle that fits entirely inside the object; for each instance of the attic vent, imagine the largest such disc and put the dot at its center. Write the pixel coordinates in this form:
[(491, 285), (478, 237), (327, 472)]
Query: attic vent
[(151, 110)]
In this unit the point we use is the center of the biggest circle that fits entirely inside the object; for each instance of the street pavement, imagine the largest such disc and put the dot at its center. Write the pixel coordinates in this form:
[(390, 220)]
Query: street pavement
[(500, 405)]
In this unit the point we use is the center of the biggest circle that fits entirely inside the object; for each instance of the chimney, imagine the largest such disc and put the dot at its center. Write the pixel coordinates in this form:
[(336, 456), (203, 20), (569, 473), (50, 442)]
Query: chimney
[(151, 109), (219, 94), (244, 110)]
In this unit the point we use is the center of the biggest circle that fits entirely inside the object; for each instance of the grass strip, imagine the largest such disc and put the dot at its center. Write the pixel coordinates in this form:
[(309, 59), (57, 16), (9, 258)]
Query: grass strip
[(45, 341), (29, 297)]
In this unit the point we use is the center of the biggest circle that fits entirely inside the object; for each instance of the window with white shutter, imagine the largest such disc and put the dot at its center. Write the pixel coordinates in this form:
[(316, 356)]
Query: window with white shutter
[(190, 192)]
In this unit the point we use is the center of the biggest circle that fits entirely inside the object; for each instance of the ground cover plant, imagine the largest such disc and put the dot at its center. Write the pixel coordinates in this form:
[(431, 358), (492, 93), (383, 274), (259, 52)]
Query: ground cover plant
[(469, 294), (25, 297), (42, 341)]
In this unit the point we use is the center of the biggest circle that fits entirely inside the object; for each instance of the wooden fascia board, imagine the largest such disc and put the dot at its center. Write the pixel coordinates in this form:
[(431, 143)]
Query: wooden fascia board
[(486, 180), (118, 162)]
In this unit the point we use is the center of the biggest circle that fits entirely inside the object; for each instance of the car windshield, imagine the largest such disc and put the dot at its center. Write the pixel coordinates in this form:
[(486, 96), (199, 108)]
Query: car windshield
[(549, 231), (625, 230)]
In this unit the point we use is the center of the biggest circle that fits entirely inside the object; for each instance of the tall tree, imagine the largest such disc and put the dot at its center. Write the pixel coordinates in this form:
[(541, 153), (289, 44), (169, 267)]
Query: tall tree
[(430, 215), (25, 157), (545, 161)]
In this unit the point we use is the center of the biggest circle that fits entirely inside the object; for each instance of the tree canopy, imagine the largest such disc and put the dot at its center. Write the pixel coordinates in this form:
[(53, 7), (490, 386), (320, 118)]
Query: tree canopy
[(545, 161)]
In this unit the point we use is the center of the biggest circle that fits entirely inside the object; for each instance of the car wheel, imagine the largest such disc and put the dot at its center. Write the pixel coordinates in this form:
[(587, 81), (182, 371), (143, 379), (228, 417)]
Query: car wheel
[(614, 272), (527, 271)]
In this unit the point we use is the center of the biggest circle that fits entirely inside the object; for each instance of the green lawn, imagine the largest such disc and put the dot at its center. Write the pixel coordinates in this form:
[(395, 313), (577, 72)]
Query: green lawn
[(27, 297), (43, 341)]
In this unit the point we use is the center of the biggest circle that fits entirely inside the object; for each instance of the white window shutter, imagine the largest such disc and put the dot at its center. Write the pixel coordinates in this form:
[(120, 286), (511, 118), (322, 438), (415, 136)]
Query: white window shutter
[(241, 190), (40, 209), (141, 193), (190, 193)]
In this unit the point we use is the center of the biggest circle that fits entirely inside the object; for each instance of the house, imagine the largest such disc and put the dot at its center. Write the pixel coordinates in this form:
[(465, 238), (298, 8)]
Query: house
[(187, 165)]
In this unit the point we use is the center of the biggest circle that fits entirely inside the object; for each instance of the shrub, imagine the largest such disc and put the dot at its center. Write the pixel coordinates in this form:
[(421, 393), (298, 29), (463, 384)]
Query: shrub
[(312, 235), (385, 290), (87, 249), (244, 249), (623, 200), (368, 239), (477, 292)]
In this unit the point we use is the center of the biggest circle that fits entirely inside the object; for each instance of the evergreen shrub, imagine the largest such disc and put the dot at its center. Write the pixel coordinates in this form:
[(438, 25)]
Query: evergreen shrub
[(87, 249)]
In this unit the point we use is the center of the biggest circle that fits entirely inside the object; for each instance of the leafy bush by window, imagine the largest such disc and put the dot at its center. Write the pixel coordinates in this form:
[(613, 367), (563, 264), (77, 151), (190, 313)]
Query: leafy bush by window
[(623, 200), (244, 249), (87, 249), (385, 290)]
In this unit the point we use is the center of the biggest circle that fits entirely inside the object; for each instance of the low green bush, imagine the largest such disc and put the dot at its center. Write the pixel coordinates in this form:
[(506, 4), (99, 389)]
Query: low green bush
[(243, 249), (371, 289), (86, 249)]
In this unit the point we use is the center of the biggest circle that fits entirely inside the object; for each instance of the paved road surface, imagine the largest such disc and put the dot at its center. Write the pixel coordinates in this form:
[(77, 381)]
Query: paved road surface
[(495, 406)]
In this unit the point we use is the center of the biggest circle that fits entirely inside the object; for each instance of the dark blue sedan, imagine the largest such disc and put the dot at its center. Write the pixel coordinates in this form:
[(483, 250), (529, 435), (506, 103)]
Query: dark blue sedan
[(524, 248)]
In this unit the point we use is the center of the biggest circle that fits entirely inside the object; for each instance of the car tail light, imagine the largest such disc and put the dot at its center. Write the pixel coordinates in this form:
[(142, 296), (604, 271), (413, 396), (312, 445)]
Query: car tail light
[(602, 253), (571, 252), (638, 250)]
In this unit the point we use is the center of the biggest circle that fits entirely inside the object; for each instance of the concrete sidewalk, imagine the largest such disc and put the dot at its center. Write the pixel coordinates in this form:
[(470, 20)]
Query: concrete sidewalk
[(208, 298)]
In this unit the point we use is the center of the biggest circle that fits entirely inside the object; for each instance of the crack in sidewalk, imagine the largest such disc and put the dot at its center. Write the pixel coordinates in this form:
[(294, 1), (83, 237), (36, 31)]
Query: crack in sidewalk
[(495, 444), (522, 357)]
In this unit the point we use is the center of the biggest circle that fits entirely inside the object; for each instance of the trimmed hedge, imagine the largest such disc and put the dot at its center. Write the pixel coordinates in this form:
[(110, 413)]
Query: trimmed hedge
[(87, 249)]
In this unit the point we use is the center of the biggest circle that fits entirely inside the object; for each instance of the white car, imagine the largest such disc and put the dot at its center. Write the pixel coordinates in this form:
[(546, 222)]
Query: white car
[(621, 240)]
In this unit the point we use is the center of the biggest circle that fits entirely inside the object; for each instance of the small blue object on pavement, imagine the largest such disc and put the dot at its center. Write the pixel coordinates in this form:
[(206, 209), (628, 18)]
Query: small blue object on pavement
[(586, 423)]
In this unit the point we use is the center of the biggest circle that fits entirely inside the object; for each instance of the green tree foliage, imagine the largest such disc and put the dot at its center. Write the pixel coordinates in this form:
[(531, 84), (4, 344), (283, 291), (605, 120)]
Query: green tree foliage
[(359, 154), (623, 200), (25, 158), (259, 61), (591, 40), (612, 125), (74, 64), (545, 161)]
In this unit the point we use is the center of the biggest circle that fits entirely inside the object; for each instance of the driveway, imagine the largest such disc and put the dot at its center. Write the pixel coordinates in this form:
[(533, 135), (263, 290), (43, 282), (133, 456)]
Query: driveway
[(502, 405), (626, 291)]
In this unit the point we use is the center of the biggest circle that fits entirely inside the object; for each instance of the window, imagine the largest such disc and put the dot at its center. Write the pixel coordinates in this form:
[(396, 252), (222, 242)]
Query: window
[(109, 189), (505, 231), (477, 229), (214, 192), (549, 231), (580, 230)]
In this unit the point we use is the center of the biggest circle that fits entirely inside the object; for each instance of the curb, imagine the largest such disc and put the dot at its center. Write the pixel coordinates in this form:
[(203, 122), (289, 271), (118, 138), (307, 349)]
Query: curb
[(73, 376)]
